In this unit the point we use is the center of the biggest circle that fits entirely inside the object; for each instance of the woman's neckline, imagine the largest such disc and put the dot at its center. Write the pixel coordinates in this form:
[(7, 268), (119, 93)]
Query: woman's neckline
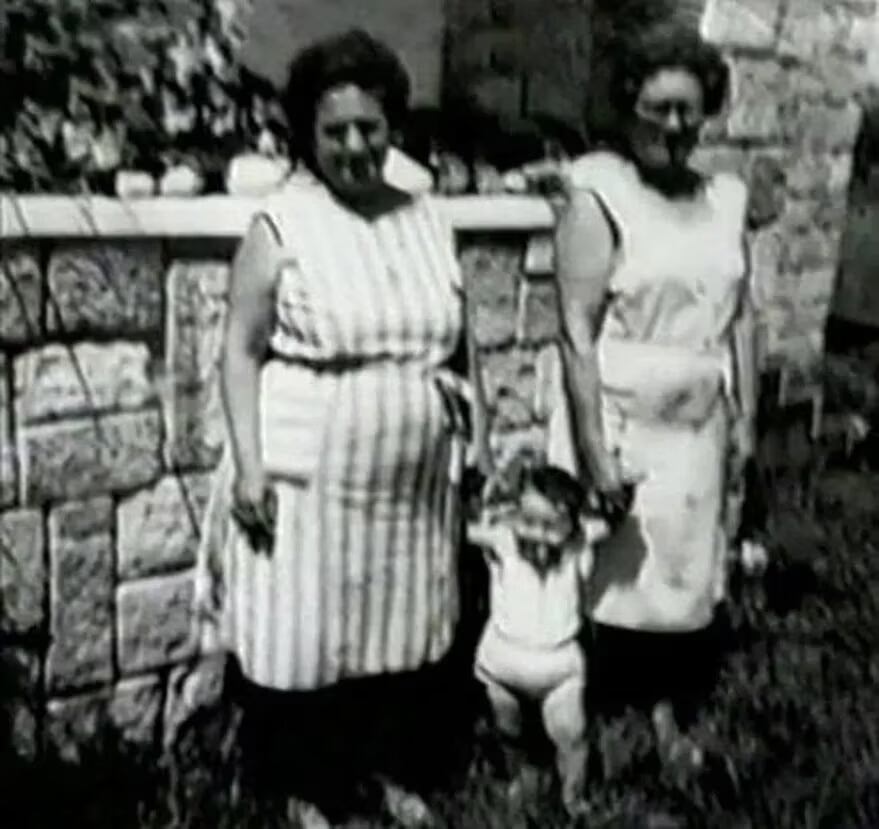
[(694, 187), (388, 201), (690, 186)]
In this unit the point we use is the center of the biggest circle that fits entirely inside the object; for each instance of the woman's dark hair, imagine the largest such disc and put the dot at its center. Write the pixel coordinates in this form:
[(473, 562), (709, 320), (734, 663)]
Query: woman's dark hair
[(353, 57), (638, 55)]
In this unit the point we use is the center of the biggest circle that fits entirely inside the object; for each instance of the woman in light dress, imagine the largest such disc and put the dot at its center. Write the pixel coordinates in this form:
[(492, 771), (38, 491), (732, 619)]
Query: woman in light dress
[(329, 563), (658, 378)]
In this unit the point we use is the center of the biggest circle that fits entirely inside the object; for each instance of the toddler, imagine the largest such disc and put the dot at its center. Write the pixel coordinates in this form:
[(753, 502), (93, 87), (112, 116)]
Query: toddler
[(539, 555)]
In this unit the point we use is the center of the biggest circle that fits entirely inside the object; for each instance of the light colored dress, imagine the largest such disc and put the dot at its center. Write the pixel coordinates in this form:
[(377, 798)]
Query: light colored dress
[(356, 436), (666, 364)]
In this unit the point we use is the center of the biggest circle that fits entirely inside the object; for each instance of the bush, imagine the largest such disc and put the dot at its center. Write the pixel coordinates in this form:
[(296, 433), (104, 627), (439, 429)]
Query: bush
[(102, 85)]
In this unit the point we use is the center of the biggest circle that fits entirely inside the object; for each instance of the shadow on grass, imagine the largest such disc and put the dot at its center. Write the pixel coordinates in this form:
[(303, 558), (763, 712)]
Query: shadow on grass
[(792, 727)]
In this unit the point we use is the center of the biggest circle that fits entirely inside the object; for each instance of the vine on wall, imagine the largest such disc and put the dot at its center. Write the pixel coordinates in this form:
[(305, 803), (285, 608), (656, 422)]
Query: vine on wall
[(97, 86)]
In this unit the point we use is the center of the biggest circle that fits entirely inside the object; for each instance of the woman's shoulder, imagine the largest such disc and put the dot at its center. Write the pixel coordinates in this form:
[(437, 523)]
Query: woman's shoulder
[(297, 199), (731, 191), (599, 167)]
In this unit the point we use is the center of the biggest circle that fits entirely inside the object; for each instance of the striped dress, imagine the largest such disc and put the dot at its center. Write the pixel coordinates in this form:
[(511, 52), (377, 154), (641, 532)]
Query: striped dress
[(357, 439)]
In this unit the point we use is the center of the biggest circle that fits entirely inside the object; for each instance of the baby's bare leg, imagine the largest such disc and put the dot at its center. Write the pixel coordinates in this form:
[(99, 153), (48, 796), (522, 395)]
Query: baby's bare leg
[(506, 708), (564, 717)]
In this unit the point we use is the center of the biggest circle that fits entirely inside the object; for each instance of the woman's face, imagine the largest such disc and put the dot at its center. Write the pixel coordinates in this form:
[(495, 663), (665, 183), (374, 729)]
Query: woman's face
[(667, 118), (351, 139)]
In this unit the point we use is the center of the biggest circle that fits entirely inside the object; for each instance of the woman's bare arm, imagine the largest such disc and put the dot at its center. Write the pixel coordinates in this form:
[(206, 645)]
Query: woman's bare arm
[(248, 327), (584, 249), (746, 378)]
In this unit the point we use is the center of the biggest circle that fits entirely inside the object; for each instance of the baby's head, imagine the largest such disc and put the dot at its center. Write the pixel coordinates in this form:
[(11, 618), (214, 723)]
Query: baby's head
[(547, 504)]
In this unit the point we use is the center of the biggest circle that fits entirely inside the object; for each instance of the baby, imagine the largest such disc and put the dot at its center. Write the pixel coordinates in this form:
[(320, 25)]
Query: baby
[(539, 556)]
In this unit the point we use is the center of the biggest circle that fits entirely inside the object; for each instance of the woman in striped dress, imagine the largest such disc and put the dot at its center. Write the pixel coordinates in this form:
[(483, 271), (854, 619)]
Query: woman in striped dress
[(337, 571)]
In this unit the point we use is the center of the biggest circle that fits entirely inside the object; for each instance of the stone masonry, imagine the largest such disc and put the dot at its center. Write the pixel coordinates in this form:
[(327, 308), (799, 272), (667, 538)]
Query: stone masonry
[(798, 68), (110, 322)]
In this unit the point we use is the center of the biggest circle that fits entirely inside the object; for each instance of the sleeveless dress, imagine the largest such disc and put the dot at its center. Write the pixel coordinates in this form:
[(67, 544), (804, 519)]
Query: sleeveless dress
[(665, 355), (357, 439)]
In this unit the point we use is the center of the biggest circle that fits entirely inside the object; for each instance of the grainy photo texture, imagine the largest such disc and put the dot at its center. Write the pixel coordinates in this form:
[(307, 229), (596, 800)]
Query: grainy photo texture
[(439, 413)]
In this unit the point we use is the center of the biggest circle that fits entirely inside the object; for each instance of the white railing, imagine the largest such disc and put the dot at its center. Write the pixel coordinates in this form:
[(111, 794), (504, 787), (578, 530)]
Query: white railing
[(47, 216)]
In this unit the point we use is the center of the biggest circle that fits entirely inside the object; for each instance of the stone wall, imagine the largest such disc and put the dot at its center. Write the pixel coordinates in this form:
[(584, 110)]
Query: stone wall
[(110, 319), (111, 316), (798, 68)]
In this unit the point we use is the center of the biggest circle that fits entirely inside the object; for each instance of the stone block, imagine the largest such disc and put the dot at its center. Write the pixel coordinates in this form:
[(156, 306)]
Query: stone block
[(21, 294), (87, 456), (155, 622), (491, 274), (746, 24), (73, 723), (754, 108), (81, 575), (196, 314), (195, 426), (105, 287), (538, 312), (812, 28), (814, 175), (822, 128), (158, 528), (63, 381), (510, 378), (817, 288), (844, 78), (796, 332), (135, 708), (765, 96), (539, 258), (812, 249), (22, 571), (548, 381)]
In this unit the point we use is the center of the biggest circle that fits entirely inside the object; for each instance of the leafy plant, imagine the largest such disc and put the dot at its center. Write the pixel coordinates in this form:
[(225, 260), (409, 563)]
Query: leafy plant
[(114, 84)]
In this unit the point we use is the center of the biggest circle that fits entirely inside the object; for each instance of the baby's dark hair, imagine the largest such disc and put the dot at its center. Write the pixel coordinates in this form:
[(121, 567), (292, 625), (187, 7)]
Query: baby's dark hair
[(557, 486)]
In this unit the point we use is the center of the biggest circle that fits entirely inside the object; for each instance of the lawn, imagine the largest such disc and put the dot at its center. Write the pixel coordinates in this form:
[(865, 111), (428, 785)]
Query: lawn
[(793, 726)]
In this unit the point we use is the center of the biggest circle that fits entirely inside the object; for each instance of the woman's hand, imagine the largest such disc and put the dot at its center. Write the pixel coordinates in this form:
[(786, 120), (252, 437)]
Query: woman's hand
[(615, 490), (255, 510), (550, 179)]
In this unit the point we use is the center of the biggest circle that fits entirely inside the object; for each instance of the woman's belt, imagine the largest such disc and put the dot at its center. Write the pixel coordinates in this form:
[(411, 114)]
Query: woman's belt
[(660, 382)]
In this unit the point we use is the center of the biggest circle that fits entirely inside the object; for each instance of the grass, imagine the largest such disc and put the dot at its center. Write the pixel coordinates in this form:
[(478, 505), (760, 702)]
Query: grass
[(793, 725)]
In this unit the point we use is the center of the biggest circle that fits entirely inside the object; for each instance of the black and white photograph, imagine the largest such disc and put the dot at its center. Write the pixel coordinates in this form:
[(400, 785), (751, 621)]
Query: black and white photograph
[(439, 414)]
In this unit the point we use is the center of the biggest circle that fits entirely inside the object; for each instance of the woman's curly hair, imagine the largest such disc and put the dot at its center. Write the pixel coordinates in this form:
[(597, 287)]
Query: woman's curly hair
[(637, 55), (353, 57)]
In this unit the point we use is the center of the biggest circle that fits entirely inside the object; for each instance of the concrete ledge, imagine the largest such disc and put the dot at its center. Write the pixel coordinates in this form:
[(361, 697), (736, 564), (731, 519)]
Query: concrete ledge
[(47, 216)]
